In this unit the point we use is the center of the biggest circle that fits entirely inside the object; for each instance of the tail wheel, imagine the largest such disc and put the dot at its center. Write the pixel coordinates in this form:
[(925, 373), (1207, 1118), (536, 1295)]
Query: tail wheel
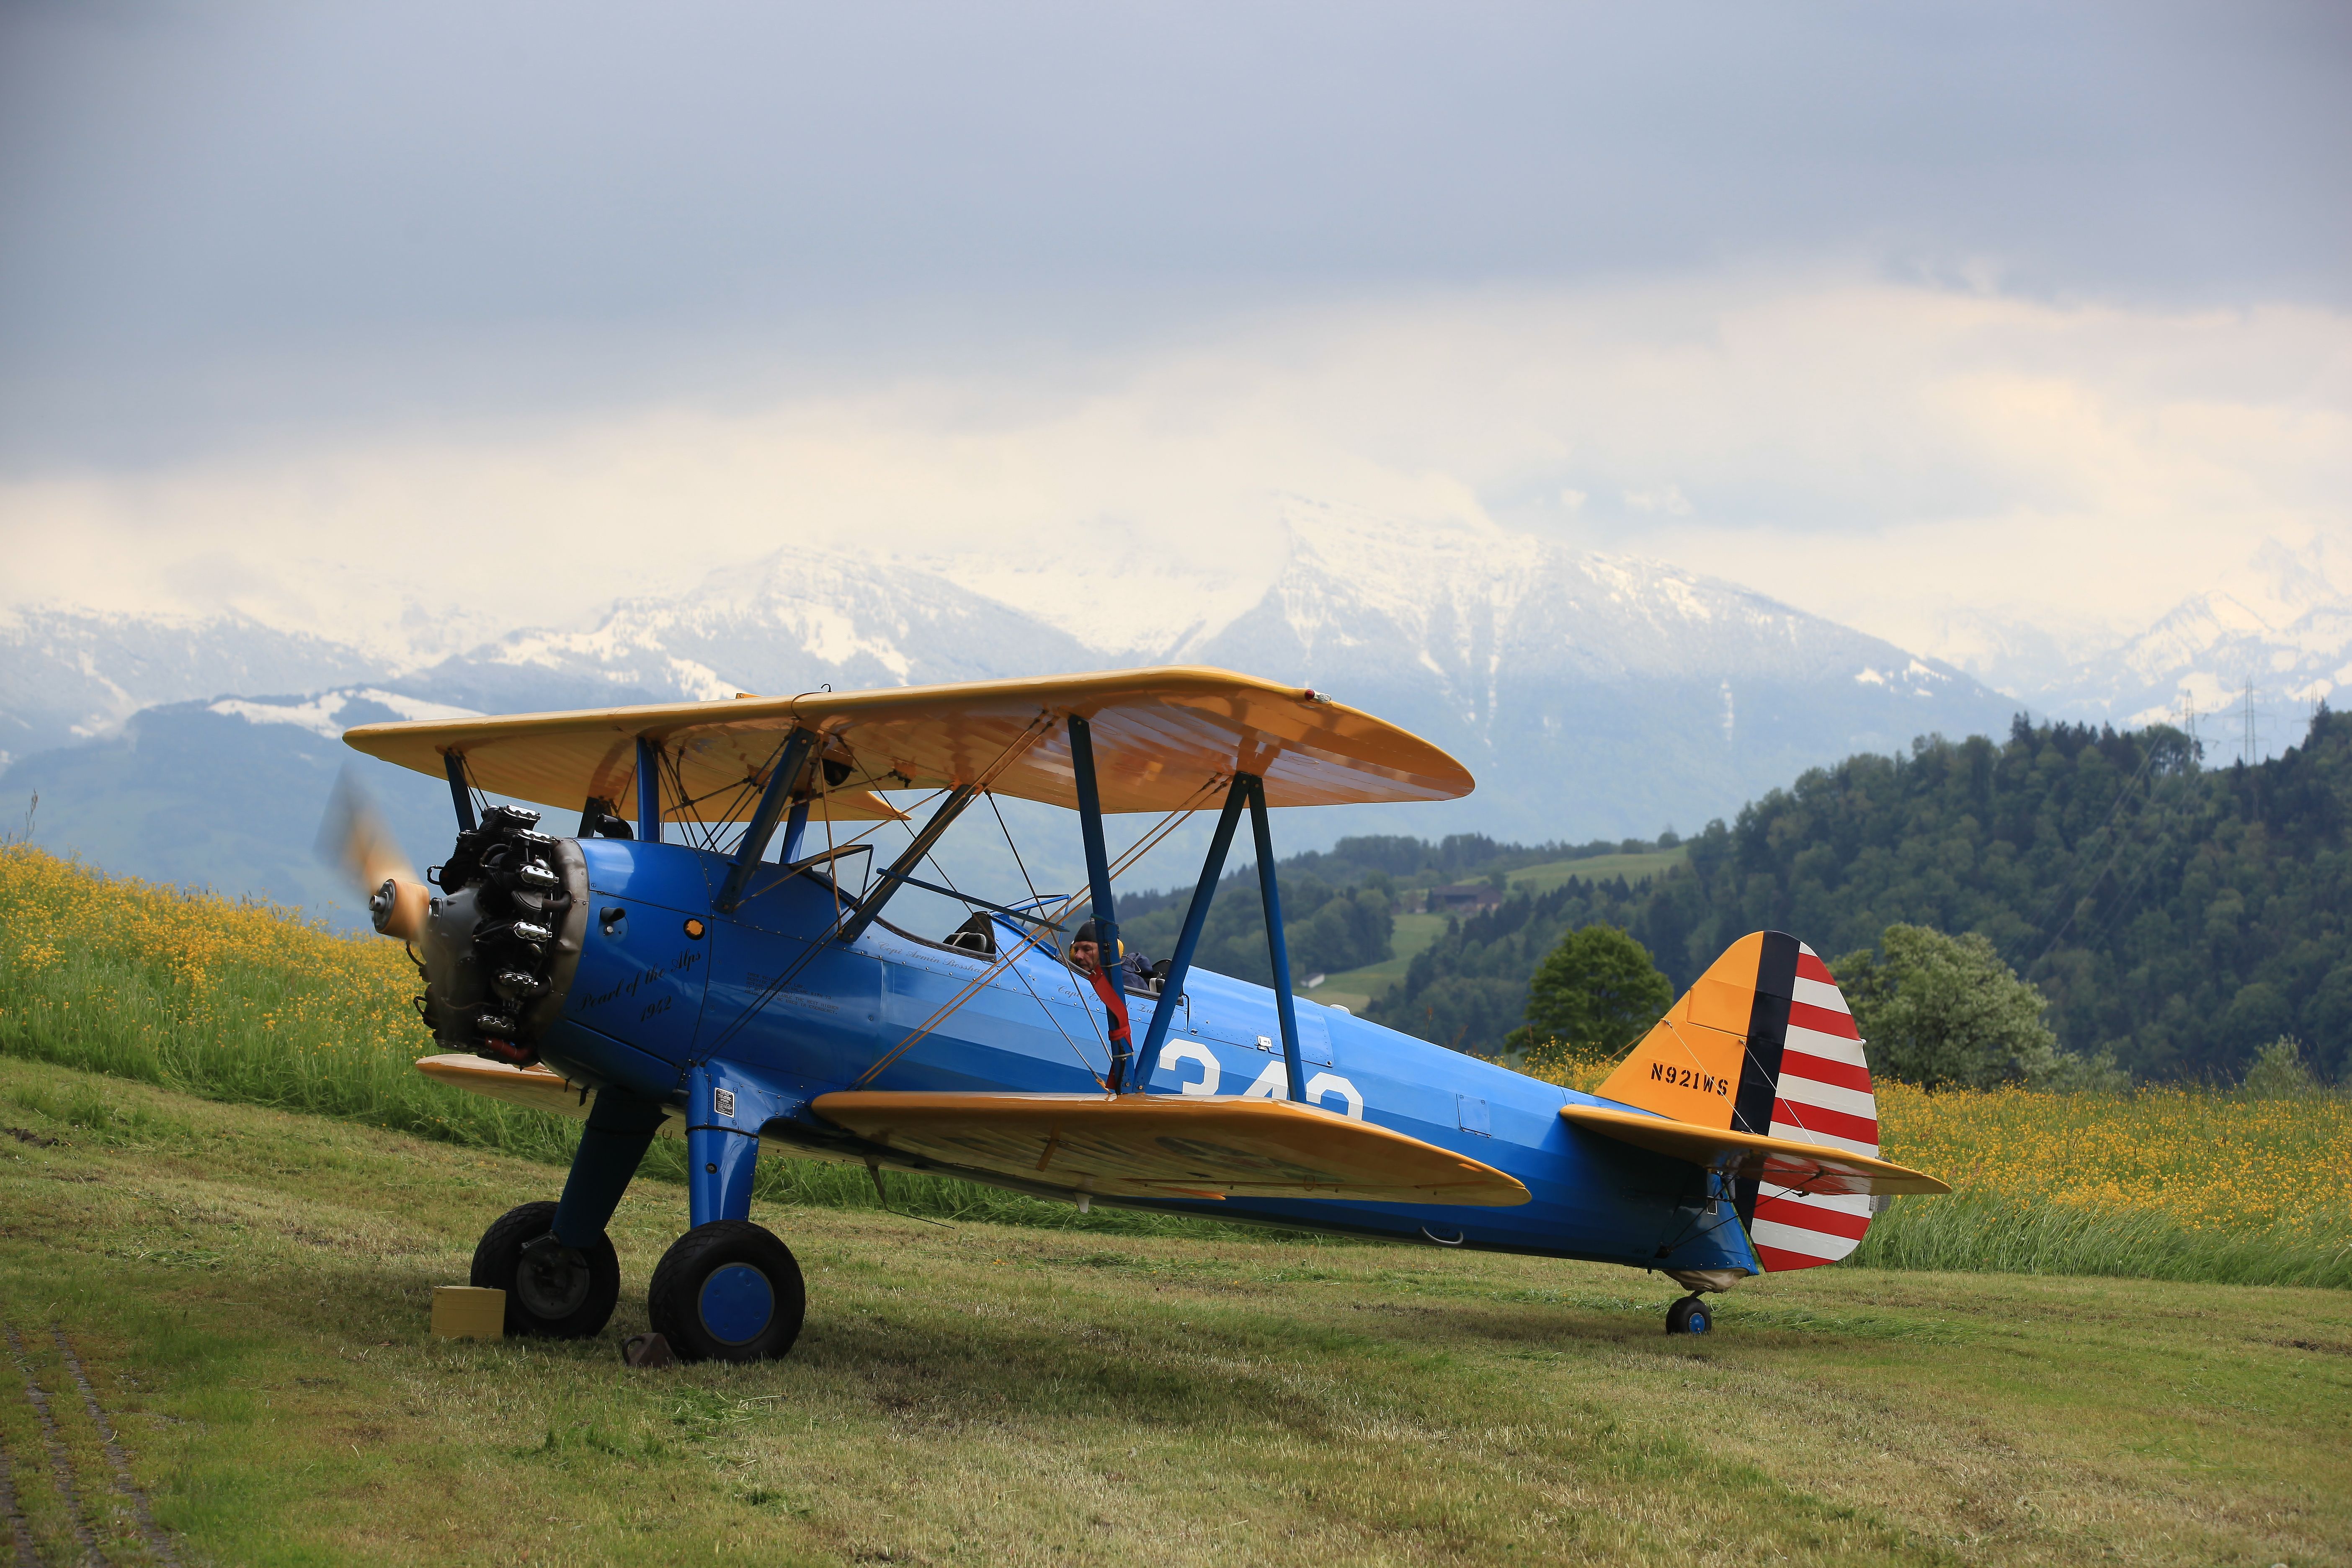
[(1689, 1316), (553, 1291), (728, 1290)]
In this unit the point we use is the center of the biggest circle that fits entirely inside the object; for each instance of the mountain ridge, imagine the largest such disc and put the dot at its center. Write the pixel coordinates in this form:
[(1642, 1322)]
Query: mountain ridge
[(1592, 695)]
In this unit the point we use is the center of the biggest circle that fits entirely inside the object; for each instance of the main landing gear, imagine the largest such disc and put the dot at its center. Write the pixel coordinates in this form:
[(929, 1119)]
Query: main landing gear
[(1689, 1316), (553, 1291), (729, 1291)]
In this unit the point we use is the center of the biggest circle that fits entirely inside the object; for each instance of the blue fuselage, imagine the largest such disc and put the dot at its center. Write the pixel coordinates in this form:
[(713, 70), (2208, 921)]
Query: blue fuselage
[(763, 992)]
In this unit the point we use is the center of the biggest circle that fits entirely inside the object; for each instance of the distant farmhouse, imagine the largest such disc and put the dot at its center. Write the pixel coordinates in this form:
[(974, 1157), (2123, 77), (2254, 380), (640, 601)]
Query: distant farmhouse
[(1463, 898)]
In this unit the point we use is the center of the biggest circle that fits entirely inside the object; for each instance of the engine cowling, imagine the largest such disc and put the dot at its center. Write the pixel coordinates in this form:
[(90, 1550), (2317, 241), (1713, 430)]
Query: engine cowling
[(501, 940)]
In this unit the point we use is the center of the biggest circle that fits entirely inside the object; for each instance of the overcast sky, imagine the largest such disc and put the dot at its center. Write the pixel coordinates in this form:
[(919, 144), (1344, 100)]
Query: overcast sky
[(1898, 311)]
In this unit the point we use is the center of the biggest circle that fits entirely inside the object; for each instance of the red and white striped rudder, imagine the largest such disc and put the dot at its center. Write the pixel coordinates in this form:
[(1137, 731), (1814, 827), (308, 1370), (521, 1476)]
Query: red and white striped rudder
[(1821, 1094)]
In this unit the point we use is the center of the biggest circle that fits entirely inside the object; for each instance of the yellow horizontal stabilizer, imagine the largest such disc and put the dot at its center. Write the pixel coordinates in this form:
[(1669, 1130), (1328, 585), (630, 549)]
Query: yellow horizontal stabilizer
[(1160, 736), (1172, 1146), (1782, 1161)]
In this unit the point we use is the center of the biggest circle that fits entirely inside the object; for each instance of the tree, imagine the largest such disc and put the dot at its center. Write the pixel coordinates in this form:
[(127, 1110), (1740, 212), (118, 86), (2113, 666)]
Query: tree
[(1946, 1012), (1352, 930), (2278, 1071), (1596, 992)]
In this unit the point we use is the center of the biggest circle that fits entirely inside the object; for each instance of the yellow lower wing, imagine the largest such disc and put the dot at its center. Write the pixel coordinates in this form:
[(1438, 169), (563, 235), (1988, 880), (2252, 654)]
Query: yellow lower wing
[(1212, 1147), (1172, 1147), (535, 1088), (1783, 1162)]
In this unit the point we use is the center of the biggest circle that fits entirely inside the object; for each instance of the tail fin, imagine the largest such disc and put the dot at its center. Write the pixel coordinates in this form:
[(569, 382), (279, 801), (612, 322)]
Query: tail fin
[(1764, 1044)]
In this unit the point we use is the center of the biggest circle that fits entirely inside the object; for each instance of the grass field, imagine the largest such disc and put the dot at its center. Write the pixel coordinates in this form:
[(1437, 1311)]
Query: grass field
[(1360, 988), (1634, 868), (2166, 1182), (247, 1290)]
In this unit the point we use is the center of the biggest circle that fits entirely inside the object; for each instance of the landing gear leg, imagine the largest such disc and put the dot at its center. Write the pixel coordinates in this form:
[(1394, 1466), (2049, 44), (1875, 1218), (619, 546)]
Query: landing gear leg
[(729, 1291), (1690, 1316), (553, 1260)]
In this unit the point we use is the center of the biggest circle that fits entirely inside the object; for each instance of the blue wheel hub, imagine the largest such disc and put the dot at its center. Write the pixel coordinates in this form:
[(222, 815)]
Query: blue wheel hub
[(1700, 1322), (737, 1303)]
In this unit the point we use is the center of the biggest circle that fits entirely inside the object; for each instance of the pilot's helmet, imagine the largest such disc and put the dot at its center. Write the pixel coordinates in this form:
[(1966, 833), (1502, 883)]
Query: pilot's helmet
[(1086, 934)]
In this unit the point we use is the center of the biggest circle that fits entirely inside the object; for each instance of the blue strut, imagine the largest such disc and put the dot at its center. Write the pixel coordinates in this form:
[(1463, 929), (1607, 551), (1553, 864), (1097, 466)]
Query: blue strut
[(1106, 913), (460, 796), (1196, 916), (621, 1128), (648, 791), (1277, 947)]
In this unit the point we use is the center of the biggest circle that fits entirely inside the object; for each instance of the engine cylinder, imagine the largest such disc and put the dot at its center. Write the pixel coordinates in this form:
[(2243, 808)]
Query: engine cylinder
[(500, 944)]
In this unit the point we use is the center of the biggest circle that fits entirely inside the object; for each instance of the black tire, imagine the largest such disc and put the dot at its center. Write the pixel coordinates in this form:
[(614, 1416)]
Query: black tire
[(1689, 1316), (728, 1290), (555, 1292)]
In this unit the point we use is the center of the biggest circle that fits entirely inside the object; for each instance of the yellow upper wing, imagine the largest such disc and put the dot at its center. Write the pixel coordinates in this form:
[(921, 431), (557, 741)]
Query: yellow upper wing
[(1160, 737)]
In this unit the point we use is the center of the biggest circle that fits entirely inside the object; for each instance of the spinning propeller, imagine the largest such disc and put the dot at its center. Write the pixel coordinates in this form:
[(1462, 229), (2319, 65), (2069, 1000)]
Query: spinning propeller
[(355, 836)]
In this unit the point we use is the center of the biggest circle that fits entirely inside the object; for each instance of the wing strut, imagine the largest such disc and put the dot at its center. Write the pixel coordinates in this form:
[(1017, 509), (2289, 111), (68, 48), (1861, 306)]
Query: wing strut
[(1108, 952), (454, 765), (1196, 916), (649, 822), (870, 909), (1251, 789), (1277, 946), (782, 782)]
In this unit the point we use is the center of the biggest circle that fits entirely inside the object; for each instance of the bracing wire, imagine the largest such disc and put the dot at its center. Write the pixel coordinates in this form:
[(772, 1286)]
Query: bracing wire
[(947, 1009), (1019, 744), (1034, 896), (1101, 1078)]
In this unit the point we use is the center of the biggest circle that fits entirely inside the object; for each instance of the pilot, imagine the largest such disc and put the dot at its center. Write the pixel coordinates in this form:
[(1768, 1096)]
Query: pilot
[(1086, 957)]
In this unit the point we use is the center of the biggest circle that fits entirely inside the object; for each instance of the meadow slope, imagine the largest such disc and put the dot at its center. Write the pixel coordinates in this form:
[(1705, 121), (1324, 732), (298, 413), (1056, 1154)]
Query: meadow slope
[(247, 1291)]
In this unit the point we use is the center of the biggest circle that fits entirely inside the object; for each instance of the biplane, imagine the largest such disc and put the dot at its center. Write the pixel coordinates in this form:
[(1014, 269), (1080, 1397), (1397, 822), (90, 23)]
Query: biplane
[(661, 970)]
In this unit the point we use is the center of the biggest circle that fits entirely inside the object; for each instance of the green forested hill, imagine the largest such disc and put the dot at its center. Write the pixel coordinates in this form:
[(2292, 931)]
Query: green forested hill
[(1338, 903), (2178, 915)]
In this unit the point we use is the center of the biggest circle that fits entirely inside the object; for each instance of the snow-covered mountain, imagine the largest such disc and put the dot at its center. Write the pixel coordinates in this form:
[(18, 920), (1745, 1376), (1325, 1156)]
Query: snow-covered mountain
[(2213, 655), (795, 620), (1592, 695), (66, 676), (1610, 693), (2273, 635)]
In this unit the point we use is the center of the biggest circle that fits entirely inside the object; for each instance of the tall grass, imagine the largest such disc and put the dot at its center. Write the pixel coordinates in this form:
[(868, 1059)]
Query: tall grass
[(245, 1002), (2167, 1183), (1980, 1231)]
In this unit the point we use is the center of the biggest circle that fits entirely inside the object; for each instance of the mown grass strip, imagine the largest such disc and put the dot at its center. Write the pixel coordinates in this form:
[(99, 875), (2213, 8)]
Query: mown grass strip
[(1024, 1397)]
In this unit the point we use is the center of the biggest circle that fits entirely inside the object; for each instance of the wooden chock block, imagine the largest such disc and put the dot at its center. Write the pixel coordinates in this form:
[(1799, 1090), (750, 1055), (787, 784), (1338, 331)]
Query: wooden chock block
[(468, 1312)]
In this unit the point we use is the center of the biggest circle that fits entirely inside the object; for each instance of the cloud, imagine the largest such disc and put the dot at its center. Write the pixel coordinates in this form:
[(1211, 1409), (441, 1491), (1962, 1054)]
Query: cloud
[(1875, 452), (1667, 498), (234, 219)]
